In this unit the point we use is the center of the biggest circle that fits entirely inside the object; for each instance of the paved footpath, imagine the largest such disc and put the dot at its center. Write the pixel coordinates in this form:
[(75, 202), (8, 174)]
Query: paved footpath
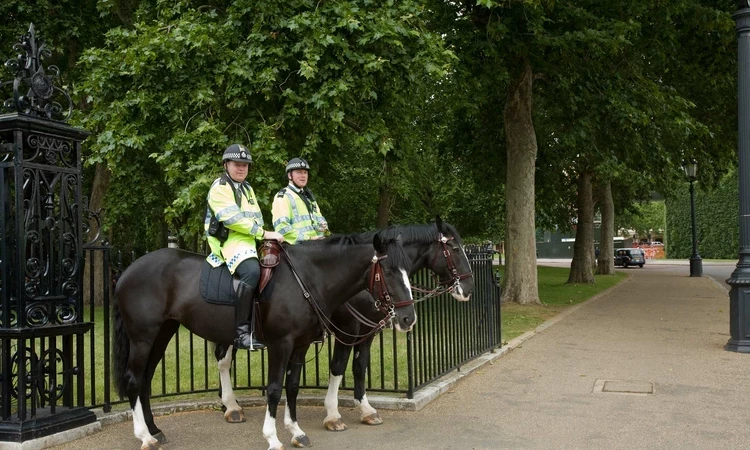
[(642, 366)]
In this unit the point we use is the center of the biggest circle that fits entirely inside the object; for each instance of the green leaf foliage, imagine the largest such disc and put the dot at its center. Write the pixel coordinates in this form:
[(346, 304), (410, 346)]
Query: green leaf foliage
[(332, 81)]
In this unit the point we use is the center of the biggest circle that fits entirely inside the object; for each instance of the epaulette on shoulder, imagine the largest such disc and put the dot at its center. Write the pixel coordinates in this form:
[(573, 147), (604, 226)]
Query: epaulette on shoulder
[(281, 193)]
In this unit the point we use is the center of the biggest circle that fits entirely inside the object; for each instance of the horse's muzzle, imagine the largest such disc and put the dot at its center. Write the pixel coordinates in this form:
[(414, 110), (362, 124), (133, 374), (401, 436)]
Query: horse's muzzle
[(406, 323)]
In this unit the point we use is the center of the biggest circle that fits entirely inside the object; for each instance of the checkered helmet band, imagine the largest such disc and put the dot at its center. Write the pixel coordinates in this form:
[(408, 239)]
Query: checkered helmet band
[(237, 152), (297, 163)]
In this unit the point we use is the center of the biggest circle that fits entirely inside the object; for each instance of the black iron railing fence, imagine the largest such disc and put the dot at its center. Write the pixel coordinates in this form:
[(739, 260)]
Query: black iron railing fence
[(448, 334)]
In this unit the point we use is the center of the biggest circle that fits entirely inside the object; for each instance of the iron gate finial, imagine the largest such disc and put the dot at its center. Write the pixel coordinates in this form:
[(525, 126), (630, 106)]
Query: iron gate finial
[(41, 95)]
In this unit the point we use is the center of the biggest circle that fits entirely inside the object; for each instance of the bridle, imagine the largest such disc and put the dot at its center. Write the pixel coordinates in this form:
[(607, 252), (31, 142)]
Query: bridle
[(383, 302), (447, 286)]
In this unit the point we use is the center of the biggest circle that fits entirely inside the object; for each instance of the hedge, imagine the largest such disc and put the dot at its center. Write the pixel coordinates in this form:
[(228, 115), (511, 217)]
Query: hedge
[(717, 222)]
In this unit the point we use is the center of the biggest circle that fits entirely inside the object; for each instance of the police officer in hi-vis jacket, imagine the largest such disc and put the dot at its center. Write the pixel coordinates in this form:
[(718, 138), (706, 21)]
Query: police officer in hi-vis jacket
[(296, 214), (233, 224)]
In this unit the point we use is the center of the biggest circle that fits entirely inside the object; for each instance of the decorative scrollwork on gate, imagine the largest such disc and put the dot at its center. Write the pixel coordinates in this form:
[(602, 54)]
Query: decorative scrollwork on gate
[(33, 87), (50, 238), (44, 374), (29, 360), (51, 372), (50, 150)]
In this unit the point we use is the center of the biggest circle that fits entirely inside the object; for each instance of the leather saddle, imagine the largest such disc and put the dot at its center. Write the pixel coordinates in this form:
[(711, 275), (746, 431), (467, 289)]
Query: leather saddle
[(269, 258), (218, 286)]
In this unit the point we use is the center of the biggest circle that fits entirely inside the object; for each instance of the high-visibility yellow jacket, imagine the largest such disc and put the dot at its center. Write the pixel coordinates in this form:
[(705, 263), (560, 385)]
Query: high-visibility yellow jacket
[(293, 218), (244, 221)]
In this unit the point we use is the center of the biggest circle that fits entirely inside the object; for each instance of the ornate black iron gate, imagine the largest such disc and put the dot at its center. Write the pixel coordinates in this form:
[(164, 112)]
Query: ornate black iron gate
[(41, 257)]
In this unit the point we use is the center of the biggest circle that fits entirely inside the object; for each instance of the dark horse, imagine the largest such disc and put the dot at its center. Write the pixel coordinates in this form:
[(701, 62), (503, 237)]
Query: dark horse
[(437, 247), (160, 291)]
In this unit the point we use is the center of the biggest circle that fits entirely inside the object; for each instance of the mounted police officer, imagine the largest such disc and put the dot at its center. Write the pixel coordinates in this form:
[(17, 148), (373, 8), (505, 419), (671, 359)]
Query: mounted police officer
[(296, 214), (233, 224)]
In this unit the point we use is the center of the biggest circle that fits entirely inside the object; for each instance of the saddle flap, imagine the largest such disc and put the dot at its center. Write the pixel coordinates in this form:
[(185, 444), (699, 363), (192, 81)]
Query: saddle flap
[(269, 253)]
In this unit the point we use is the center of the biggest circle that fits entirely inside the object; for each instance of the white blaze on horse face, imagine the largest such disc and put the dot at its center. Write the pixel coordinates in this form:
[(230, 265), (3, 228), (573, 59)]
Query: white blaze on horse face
[(227, 393), (332, 398), (407, 283), (405, 277), (458, 293), (269, 431), (140, 429)]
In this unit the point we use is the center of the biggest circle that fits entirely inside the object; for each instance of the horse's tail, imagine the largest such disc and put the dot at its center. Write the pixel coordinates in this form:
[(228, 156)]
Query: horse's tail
[(120, 351)]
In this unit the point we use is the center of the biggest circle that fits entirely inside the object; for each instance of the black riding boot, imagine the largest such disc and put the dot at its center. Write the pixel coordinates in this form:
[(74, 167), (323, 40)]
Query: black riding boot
[(245, 308)]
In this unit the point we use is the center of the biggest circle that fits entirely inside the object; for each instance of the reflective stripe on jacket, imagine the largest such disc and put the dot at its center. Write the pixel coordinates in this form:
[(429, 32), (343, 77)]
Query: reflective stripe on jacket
[(245, 224), (292, 218)]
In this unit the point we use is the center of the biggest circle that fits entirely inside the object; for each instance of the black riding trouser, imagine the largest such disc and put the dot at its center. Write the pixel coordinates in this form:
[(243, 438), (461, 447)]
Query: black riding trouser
[(248, 271)]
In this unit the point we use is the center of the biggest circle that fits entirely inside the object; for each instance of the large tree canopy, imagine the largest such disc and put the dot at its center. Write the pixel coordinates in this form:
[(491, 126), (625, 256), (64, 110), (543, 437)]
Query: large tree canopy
[(290, 78), (501, 116)]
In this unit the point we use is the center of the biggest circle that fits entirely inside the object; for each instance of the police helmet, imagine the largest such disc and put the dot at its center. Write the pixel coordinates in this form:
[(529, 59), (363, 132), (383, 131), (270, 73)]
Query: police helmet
[(237, 152), (296, 164)]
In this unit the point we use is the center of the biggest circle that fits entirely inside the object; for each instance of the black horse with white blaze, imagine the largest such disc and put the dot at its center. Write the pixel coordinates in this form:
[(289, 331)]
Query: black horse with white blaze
[(160, 291), (437, 247)]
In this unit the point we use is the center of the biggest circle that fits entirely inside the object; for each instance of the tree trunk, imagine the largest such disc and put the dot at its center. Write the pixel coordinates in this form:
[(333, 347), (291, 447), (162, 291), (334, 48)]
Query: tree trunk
[(583, 250), (605, 264), (96, 200), (384, 200), (520, 280)]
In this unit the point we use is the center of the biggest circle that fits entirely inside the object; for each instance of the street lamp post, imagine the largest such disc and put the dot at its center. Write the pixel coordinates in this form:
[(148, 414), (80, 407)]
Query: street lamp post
[(696, 263), (739, 282)]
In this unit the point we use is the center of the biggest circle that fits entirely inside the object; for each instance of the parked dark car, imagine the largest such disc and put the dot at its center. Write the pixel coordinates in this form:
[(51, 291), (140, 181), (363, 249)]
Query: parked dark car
[(630, 257)]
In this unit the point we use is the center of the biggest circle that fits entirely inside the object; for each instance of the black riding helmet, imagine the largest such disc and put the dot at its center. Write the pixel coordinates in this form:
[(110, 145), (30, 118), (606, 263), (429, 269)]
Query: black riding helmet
[(296, 164), (237, 152)]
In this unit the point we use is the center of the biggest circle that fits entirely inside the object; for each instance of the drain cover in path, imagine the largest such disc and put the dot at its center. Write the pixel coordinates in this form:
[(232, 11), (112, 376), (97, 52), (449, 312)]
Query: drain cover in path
[(623, 387)]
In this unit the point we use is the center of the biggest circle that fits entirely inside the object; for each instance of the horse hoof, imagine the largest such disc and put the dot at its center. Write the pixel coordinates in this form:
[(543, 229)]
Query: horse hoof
[(160, 437), (301, 441), (335, 425), (372, 419), (151, 446), (235, 416)]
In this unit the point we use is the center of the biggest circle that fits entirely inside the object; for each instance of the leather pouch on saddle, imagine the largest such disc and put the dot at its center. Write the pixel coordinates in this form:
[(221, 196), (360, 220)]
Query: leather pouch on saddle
[(269, 258)]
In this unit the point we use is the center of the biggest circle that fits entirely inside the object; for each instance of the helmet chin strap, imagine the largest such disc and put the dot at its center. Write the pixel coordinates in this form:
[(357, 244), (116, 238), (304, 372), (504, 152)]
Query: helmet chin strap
[(230, 177)]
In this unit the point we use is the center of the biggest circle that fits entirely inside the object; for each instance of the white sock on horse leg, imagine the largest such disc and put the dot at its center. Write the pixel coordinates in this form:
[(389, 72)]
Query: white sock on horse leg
[(269, 431), (292, 427), (332, 398), (228, 398), (364, 407), (140, 429)]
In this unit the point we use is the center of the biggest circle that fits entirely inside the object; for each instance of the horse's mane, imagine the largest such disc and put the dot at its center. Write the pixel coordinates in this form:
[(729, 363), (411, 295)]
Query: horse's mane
[(397, 257), (417, 233)]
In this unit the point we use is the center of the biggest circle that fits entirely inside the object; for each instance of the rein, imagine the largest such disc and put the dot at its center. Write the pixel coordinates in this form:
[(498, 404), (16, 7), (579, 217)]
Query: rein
[(447, 286), (383, 302)]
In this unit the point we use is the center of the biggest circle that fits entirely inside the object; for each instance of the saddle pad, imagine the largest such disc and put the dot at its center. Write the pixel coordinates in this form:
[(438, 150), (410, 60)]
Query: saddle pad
[(216, 285)]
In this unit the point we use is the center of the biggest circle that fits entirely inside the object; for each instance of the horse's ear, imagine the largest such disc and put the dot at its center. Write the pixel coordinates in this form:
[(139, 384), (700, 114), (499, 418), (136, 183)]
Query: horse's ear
[(379, 244), (439, 223)]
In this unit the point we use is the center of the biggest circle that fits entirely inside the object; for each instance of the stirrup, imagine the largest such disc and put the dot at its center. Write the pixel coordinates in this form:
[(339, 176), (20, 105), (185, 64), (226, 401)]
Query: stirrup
[(321, 338), (246, 341)]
